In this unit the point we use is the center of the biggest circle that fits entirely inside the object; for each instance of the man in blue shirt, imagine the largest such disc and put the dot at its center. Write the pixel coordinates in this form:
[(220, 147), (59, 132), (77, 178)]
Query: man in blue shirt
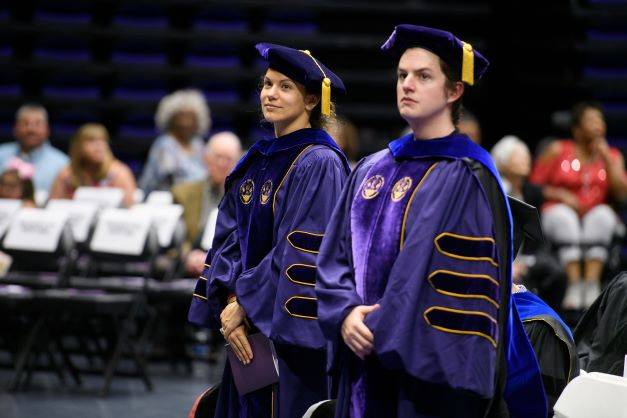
[(31, 131)]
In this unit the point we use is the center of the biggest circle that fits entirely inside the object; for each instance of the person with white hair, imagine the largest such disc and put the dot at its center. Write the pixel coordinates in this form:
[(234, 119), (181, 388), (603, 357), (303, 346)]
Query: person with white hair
[(176, 156), (31, 131), (513, 161), (200, 197)]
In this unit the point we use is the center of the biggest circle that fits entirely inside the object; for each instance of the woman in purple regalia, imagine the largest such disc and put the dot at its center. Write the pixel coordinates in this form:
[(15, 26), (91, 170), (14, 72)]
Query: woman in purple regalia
[(415, 267), (261, 269)]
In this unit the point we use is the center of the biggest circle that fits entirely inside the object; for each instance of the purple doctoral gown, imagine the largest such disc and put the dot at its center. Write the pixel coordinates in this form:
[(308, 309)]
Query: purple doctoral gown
[(277, 203), (416, 232)]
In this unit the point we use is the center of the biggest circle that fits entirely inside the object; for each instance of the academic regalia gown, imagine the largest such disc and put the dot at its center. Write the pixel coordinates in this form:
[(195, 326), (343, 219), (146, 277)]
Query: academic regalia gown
[(601, 334), (423, 228), (553, 343), (277, 203), (550, 337)]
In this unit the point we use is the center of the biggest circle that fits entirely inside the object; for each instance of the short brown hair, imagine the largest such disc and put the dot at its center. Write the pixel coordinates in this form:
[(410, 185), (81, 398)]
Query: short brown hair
[(452, 77)]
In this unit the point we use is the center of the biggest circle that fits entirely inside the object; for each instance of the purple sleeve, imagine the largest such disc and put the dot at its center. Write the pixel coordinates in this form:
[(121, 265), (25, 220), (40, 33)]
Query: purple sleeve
[(267, 290), (335, 287), (222, 266)]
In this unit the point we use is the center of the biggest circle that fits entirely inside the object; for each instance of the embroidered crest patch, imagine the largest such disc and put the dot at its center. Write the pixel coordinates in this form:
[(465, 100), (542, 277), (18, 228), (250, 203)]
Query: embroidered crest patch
[(372, 186), (266, 192), (246, 191), (401, 188)]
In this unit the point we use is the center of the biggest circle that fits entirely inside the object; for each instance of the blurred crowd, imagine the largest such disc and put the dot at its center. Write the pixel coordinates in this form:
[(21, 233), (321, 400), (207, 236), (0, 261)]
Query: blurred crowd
[(578, 184)]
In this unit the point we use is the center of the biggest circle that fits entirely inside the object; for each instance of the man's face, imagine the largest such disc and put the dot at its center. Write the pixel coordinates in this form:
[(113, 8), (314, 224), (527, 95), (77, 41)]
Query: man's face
[(420, 86), (220, 159), (31, 130)]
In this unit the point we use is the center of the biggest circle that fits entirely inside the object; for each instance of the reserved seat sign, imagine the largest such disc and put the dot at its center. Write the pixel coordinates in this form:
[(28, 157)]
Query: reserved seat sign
[(35, 229), (82, 215), (121, 231)]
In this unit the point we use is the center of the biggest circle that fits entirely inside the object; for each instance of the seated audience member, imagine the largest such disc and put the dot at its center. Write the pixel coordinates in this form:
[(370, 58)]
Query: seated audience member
[(199, 198), (16, 182), (31, 132), (580, 176), (346, 135), (469, 125), (183, 118), (536, 268), (601, 334), (513, 161), (92, 164)]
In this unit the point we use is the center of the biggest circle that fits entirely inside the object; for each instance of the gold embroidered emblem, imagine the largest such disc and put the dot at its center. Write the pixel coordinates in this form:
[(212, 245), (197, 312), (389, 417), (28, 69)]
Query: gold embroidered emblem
[(246, 191), (401, 188), (266, 192), (372, 186)]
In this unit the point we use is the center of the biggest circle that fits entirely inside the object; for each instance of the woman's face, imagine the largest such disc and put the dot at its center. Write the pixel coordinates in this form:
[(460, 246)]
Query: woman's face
[(592, 124), (421, 85), (283, 100), (10, 185), (184, 124), (95, 148)]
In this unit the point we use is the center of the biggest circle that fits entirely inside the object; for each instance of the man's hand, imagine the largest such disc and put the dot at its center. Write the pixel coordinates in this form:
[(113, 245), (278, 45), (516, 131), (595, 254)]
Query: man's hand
[(355, 333)]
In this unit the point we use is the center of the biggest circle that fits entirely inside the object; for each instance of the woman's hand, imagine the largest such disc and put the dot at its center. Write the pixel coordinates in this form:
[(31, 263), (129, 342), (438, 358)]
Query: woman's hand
[(603, 149), (238, 339), (355, 333), (232, 317), (569, 198)]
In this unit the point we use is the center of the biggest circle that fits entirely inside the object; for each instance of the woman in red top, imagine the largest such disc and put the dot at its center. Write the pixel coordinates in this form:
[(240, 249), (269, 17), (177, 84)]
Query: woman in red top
[(580, 176)]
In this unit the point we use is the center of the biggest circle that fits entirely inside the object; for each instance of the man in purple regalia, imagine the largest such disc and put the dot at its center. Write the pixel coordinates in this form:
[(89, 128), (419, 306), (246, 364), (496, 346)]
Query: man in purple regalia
[(415, 268)]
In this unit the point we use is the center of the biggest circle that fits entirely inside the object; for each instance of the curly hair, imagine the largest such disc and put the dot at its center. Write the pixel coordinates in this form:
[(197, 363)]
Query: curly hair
[(189, 99)]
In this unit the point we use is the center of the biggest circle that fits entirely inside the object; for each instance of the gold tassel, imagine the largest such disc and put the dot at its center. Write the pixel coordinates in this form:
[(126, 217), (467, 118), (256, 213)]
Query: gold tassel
[(325, 105), (326, 97), (468, 65)]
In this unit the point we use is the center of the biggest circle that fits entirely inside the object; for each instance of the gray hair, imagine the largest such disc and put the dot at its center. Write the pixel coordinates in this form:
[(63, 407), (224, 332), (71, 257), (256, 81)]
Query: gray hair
[(225, 136), (502, 150), (189, 99), (29, 108)]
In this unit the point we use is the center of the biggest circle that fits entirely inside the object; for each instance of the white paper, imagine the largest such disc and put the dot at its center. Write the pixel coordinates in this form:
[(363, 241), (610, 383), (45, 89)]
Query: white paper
[(105, 197), (164, 217), (210, 230), (120, 231), (8, 209), (160, 197), (82, 215), (35, 229)]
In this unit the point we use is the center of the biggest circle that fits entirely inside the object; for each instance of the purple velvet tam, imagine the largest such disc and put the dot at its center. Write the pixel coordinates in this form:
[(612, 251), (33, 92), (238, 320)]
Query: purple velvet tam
[(300, 66), (443, 44)]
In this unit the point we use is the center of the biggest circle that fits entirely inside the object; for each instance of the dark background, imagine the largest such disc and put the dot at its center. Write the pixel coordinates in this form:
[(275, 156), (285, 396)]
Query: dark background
[(111, 61)]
